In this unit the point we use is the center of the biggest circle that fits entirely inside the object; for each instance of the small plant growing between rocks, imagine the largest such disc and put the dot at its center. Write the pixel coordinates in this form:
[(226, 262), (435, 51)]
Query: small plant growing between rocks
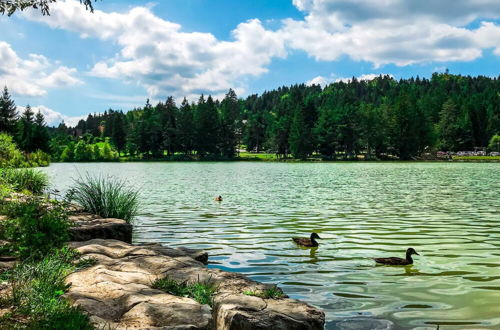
[(270, 293), (201, 292)]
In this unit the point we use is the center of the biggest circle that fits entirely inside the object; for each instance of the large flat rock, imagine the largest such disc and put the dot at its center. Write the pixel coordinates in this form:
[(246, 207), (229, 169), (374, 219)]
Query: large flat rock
[(89, 226), (117, 292)]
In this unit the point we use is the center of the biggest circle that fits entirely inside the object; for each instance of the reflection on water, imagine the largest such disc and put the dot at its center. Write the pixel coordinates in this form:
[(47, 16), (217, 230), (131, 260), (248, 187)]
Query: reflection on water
[(448, 212)]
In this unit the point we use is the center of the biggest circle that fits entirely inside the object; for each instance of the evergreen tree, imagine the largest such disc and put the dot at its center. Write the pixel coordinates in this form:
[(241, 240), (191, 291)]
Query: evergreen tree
[(119, 136), (25, 130), (8, 113), (40, 133), (229, 115)]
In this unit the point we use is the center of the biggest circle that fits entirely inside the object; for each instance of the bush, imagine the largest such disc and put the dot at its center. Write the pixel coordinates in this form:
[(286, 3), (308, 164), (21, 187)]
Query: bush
[(202, 292), (35, 227), (37, 288), (108, 197), (10, 155), (25, 179), (38, 158)]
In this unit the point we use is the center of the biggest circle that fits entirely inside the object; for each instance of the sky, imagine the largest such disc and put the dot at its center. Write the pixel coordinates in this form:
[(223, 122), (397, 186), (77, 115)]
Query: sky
[(75, 62)]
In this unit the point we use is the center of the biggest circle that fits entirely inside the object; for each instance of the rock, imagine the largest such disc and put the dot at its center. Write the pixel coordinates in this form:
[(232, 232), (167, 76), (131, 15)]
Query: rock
[(88, 226), (117, 292)]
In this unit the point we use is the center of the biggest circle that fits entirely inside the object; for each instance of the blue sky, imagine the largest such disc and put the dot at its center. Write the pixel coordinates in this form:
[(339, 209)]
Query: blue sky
[(76, 62)]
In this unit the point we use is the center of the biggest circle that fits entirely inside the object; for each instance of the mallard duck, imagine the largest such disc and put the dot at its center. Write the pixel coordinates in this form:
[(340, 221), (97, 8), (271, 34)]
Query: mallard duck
[(218, 199), (398, 261), (309, 242)]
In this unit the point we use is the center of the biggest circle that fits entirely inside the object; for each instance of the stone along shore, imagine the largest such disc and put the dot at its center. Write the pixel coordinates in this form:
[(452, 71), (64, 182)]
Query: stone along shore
[(117, 290)]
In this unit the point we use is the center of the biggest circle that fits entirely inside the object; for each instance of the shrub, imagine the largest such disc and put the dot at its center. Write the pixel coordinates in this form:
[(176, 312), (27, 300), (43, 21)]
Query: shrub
[(10, 155), (202, 292), (108, 197), (37, 288), (38, 158), (35, 227), (24, 179)]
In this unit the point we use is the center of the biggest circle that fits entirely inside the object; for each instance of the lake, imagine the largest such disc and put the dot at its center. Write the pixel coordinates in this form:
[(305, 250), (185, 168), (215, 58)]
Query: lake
[(448, 212)]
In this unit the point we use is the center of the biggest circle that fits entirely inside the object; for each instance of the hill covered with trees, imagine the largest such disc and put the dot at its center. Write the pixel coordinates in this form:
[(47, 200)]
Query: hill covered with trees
[(381, 118)]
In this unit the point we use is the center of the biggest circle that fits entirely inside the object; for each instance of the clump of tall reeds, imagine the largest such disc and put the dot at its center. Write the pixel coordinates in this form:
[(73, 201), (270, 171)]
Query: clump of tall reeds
[(106, 196)]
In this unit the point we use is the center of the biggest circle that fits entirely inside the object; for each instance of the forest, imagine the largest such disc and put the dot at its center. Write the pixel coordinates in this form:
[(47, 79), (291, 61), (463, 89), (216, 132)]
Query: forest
[(382, 118)]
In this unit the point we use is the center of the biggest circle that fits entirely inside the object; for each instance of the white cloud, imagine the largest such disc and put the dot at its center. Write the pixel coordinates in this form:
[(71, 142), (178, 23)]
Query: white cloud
[(400, 32), (52, 117), (34, 75), (159, 56)]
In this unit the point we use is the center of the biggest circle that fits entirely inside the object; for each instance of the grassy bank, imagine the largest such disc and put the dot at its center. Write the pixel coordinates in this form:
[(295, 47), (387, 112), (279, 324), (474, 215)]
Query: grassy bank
[(36, 232)]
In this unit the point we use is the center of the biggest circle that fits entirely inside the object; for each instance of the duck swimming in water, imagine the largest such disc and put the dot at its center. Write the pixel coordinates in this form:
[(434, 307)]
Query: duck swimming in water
[(309, 242), (398, 261), (218, 199)]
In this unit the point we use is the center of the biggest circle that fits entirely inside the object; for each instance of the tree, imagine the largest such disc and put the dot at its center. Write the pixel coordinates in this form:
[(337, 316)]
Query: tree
[(10, 6), (40, 133), (229, 114), (25, 130), (186, 128), (119, 136), (8, 112), (300, 135), (169, 126), (207, 124)]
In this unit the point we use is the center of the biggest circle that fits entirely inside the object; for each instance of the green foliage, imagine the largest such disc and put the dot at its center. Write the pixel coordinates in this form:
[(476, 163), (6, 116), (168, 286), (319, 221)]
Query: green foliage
[(8, 113), (88, 152), (202, 292), (494, 144), (37, 288), (271, 293), (10, 156), (378, 119), (35, 227), (25, 179), (109, 197)]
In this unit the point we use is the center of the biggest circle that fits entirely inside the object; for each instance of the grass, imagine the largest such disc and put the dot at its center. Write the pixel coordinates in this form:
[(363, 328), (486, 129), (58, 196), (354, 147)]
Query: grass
[(271, 293), (37, 288), (34, 227), (108, 197), (257, 156), (201, 292), (25, 179), (495, 158)]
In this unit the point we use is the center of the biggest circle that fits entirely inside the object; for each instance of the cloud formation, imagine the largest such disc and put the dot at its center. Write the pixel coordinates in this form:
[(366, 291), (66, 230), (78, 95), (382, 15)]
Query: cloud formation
[(400, 32), (34, 75), (159, 56)]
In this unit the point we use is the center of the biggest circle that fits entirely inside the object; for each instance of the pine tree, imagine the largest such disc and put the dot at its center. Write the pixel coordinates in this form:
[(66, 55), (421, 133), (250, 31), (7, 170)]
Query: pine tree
[(40, 133), (8, 113), (25, 130), (230, 130)]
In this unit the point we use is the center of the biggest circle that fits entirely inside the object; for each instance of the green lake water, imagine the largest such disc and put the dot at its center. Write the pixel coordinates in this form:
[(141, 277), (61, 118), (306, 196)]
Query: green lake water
[(448, 212)]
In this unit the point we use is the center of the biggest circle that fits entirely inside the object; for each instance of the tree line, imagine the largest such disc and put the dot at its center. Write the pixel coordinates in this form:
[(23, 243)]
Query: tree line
[(382, 118)]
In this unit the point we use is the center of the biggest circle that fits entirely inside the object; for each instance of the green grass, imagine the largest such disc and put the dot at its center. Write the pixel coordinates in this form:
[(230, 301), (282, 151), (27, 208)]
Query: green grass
[(495, 158), (271, 293), (257, 156), (108, 197), (25, 179), (201, 292), (37, 288), (34, 227)]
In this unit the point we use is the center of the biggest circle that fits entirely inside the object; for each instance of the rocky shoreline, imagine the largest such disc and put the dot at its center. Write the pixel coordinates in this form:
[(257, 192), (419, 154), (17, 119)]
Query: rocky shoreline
[(117, 290)]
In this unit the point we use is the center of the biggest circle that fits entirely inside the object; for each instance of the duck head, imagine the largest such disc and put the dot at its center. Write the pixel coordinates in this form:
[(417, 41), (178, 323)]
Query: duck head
[(411, 251), (315, 236)]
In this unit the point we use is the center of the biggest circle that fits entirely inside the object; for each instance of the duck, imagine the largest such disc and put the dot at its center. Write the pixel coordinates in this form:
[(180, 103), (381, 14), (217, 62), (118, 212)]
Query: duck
[(398, 261), (218, 199), (309, 242)]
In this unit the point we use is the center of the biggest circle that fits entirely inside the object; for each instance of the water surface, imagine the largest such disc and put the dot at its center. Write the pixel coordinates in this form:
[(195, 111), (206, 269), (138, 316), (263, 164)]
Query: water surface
[(448, 212)]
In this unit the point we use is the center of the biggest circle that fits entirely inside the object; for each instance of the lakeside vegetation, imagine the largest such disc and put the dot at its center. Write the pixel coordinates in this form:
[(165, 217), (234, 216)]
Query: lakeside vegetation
[(35, 231), (378, 119)]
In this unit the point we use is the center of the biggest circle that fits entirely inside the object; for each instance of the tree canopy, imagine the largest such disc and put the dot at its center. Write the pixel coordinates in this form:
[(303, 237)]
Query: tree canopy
[(9, 7)]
